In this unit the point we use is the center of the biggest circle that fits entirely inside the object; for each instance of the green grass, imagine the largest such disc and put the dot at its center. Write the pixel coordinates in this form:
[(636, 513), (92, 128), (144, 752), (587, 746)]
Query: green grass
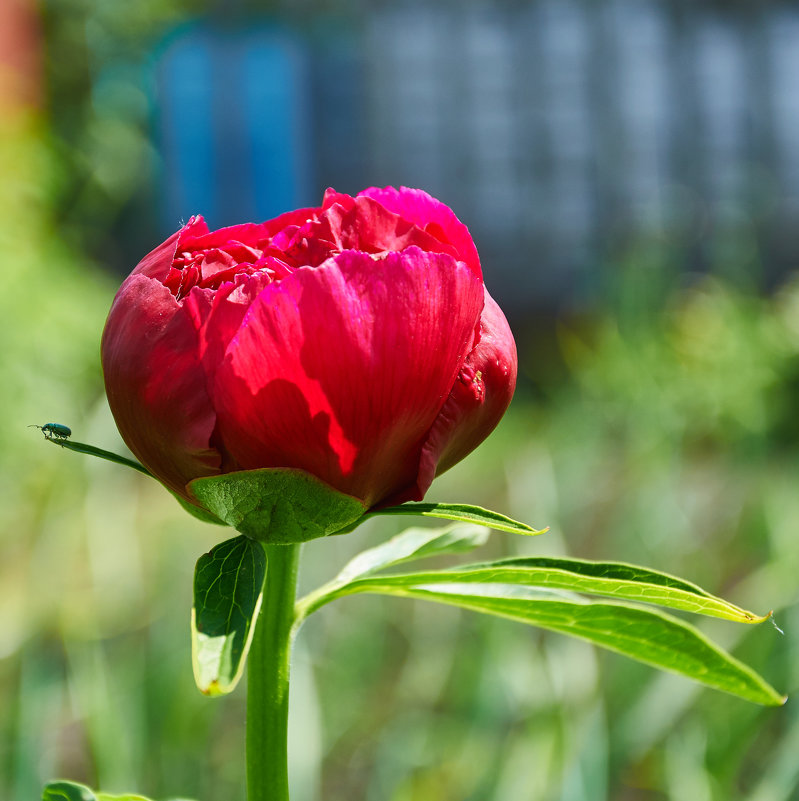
[(668, 437)]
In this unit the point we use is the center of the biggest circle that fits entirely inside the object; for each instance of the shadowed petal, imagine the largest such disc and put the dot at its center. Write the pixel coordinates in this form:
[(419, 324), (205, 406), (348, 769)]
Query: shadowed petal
[(342, 369), (156, 387), (476, 403), (216, 317)]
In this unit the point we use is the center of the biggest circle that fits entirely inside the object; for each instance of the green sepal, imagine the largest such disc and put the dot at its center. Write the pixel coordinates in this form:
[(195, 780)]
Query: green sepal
[(277, 505), (198, 511), (228, 589)]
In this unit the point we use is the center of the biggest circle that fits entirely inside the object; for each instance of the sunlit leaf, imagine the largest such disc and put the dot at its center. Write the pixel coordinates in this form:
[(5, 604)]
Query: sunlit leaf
[(542, 591), (228, 587), (463, 513), (647, 635), (613, 579), (67, 791), (72, 791), (411, 544), (414, 543)]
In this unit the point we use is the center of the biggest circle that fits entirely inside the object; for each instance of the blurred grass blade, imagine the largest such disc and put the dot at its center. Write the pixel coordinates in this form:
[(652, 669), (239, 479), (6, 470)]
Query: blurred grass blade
[(228, 588), (91, 450), (413, 543), (646, 635), (613, 579), (463, 513)]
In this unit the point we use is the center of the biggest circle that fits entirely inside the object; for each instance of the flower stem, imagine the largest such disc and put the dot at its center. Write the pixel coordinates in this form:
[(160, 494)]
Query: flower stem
[(268, 679)]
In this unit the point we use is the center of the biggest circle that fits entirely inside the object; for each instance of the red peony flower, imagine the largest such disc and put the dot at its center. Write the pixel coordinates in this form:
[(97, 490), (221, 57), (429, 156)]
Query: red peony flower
[(355, 341)]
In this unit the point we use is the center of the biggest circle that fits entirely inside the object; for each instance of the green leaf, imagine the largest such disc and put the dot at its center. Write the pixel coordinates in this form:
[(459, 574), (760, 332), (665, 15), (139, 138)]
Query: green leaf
[(91, 450), (413, 543), (647, 635), (277, 505), (67, 791), (614, 579), (228, 587), (463, 513), (539, 591), (72, 791)]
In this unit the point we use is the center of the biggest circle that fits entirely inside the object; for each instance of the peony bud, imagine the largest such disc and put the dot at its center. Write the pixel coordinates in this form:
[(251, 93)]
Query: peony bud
[(355, 342)]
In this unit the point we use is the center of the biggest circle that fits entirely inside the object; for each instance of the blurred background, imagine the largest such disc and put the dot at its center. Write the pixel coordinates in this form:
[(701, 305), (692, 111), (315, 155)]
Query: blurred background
[(630, 172)]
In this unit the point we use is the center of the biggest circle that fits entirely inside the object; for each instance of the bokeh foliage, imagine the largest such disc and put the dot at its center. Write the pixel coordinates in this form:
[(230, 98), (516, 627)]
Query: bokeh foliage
[(659, 427), (665, 435)]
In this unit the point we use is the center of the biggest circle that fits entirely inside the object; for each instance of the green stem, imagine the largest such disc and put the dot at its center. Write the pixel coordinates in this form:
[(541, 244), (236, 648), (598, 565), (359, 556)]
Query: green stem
[(268, 679)]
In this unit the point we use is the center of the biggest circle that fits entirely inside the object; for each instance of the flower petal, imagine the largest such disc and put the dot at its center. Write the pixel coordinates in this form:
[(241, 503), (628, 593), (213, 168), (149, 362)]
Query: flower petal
[(194, 237), (155, 384), (431, 215), (216, 317), (158, 262), (341, 370), (360, 224), (476, 403)]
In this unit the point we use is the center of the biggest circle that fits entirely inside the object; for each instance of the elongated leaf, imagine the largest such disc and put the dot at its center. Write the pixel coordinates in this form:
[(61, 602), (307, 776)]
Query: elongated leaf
[(647, 635), (228, 587), (413, 543), (91, 450), (613, 579), (463, 513)]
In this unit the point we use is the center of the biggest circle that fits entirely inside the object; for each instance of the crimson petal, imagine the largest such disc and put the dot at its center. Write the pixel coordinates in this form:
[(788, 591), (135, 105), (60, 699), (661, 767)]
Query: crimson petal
[(156, 385), (476, 403), (341, 370), (431, 215)]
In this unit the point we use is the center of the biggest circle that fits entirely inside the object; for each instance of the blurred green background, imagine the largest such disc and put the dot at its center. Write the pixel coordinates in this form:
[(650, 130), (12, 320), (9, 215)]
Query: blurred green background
[(655, 422)]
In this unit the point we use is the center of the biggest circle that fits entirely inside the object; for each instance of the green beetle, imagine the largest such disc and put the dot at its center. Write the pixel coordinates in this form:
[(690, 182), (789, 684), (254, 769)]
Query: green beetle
[(54, 431)]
